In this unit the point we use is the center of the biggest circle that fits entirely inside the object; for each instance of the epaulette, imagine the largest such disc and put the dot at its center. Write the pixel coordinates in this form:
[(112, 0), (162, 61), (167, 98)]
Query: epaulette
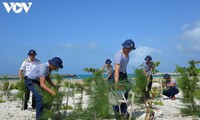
[(26, 60), (37, 60)]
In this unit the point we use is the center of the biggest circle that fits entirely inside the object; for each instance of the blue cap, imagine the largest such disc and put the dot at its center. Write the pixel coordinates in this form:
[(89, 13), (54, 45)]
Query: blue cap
[(165, 76), (32, 52), (108, 61), (129, 44), (56, 61), (148, 58)]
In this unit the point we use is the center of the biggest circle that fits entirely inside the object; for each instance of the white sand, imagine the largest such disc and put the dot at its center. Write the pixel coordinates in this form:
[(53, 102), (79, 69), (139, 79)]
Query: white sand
[(170, 110), (11, 110)]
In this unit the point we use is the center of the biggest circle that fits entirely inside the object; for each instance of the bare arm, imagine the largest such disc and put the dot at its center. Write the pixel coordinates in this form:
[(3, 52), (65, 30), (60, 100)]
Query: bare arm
[(145, 73), (21, 74), (152, 69), (46, 88), (103, 67), (171, 84), (48, 79), (109, 74), (116, 75)]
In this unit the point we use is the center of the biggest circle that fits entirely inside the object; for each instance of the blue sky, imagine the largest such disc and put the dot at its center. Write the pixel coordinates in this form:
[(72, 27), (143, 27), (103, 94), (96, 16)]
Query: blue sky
[(84, 33)]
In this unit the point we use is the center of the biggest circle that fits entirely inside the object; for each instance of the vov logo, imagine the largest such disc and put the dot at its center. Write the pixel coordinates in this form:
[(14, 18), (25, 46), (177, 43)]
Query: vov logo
[(17, 7)]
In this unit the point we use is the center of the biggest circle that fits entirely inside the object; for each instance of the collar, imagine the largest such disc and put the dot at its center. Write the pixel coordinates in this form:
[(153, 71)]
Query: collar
[(29, 60), (123, 53)]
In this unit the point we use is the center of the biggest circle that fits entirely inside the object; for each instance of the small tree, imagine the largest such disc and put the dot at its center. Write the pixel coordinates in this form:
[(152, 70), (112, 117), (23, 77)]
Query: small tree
[(139, 86), (98, 90), (188, 83), (22, 88), (58, 78), (99, 102), (52, 103), (156, 64), (141, 83), (6, 87)]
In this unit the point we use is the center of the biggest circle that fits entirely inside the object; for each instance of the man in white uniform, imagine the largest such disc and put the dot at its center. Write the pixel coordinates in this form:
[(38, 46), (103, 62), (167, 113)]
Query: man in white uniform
[(24, 71)]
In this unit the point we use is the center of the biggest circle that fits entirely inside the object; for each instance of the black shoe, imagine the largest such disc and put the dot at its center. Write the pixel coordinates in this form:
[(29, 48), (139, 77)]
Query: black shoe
[(24, 108), (125, 115)]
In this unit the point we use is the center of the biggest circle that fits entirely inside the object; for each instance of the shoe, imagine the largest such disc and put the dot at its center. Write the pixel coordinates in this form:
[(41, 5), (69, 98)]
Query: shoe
[(173, 98), (24, 108), (125, 115)]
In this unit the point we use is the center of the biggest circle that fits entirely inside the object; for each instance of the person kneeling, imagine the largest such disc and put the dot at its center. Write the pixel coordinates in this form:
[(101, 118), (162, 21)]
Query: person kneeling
[(171, 87)]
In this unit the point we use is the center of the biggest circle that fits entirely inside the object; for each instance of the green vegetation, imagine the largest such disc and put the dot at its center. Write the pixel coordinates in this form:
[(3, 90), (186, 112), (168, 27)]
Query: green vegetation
[(98, 106), (156, 64), (188, 83), (58, 78), (6, 88), (139, 86)]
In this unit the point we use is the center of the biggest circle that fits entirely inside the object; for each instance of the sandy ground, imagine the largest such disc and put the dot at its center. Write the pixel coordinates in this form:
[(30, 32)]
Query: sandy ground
[(11, 110)]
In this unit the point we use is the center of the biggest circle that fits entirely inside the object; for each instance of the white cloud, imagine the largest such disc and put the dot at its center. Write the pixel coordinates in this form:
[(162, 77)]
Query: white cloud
[(190, 37), (137, 56)]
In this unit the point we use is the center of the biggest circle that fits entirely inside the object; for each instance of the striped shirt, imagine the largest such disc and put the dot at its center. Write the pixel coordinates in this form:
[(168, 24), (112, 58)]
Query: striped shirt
[(121, 60)]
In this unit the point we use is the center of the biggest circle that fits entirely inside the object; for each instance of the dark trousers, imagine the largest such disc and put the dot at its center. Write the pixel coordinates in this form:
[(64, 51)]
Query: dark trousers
[(149, 88), (33, 86), (171, 92), (123, 106), (26, 99), (122, 78)]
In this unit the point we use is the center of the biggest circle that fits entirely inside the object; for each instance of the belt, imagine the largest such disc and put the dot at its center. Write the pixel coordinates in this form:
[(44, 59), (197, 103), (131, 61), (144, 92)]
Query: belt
[(32, 79), (122, 72)]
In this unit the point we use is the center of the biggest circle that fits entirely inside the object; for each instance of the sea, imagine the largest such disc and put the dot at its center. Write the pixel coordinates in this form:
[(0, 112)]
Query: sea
[(80, 76), (83, 76)]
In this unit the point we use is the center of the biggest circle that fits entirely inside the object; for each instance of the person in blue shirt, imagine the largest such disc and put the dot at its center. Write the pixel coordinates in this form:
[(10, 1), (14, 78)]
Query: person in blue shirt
[(120, 74), (171, 87), (37, 78)]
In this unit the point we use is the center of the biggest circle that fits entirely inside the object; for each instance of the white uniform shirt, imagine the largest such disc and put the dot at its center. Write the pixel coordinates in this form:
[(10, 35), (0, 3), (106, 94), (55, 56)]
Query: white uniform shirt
[(27, 65)]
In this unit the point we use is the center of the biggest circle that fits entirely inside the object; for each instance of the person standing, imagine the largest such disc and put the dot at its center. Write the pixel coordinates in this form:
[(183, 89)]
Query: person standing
[(148, 68), (120, 74), (108, 68), (24, 71), (36, 82)]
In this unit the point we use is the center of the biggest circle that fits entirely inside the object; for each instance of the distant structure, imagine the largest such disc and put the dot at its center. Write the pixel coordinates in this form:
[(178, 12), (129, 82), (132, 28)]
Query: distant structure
[(69, 75), (15, 77)]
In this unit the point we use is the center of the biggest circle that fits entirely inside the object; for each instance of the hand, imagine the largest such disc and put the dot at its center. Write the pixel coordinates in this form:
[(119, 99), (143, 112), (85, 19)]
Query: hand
[(116, 86), (164, 85), (54, 94), (148, 79), (56, 88)]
